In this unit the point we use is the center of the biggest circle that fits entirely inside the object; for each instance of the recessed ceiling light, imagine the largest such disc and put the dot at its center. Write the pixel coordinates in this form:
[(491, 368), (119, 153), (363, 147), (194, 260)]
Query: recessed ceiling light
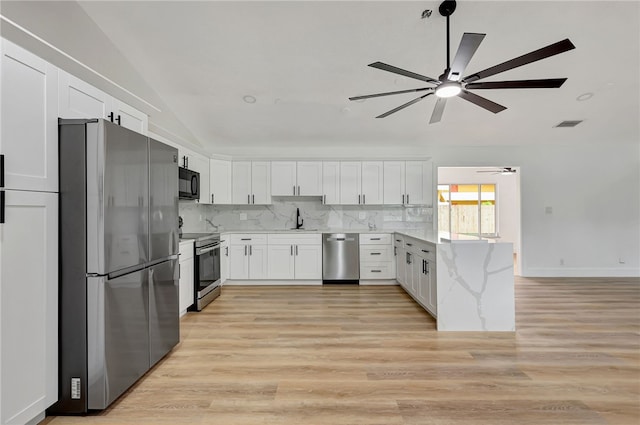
[(568, 123), (249, 99), (584, 96)]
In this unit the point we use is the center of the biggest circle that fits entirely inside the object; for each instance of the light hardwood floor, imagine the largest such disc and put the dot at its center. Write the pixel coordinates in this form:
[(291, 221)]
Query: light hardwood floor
[(369, 355)]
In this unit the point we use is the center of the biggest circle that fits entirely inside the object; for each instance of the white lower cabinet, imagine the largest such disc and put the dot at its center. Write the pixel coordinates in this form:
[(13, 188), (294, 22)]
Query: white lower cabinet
[(417, 274), (28, 305), (247, 256), (224, 260), (377, 260), (186, 293), (295, 256)]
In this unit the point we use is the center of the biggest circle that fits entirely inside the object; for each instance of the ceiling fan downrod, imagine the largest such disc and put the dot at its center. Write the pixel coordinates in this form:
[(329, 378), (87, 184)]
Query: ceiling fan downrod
[(446, 9)]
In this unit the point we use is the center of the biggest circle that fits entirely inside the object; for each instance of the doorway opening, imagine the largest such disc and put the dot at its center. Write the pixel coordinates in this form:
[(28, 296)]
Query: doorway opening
[(481, 201)]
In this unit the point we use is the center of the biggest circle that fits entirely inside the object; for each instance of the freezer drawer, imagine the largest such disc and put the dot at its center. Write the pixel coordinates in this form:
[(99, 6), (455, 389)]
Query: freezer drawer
[(164, 322), (117, 335)]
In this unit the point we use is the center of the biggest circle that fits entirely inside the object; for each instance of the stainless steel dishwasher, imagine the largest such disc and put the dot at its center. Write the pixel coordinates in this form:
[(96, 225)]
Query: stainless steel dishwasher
[(340, 258)]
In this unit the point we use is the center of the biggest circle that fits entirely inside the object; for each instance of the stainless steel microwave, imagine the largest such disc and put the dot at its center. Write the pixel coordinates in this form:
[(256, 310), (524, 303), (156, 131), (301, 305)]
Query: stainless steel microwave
[(188, 184)]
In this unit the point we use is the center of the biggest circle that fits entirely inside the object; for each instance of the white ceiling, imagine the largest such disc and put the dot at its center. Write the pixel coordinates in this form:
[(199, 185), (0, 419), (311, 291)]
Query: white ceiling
[(301, 60)]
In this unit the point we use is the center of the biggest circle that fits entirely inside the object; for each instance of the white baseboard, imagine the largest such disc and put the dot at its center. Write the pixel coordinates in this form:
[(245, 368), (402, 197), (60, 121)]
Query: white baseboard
[(580, 272), (229, 282), (385, 282)]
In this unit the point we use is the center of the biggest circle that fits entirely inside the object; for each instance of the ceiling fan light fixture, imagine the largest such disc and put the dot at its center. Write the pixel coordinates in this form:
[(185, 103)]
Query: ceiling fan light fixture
[(449, 89)]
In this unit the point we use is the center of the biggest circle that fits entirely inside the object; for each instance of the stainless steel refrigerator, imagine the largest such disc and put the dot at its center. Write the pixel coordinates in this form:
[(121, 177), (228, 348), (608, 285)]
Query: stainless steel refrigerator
[(119, 271)]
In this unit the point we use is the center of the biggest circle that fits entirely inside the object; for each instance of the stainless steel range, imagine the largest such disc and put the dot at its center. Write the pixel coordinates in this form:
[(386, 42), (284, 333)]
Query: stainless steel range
[(207, 268)]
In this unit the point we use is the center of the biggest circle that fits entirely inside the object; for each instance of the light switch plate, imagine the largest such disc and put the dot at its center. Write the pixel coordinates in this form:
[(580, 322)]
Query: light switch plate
[(362, 215), (243, 216)]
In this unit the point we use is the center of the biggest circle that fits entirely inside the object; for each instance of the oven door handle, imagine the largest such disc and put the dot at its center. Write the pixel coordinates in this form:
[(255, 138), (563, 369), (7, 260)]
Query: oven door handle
[(205, 250)]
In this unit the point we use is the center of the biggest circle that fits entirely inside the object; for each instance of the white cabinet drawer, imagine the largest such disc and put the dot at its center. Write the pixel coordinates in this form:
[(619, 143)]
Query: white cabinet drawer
[(186, 250), (377, 271), (376, 253), (426, 250), (375, 238), (248, 239), (297, 239)]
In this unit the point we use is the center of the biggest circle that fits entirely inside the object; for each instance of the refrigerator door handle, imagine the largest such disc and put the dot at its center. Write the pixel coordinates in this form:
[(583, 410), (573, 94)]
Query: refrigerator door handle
[(2, 205)]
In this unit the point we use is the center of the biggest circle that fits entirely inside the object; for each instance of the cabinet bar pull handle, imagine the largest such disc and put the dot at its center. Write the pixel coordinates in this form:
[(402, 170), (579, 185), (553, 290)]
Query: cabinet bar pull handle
[(376, 271), (363, 199), (291, 249), (245, 239), (409, 244), (298, 190), (398, 240), (296, 250), (403, 198), (226, 251), (407, 198), (253, 199), (358, 199), (376, 253), (245, 250), (111, 117), (2, 205), (248, 199), (250, 250), (118, 120), (324, 199), (1, 170), (374, 239), (212, 198), (294, 190), (424, 250), (395, 251), (424, 267)]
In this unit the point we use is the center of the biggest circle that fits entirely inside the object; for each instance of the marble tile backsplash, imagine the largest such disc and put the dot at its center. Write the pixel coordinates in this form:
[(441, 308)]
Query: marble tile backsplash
[(281, 215)]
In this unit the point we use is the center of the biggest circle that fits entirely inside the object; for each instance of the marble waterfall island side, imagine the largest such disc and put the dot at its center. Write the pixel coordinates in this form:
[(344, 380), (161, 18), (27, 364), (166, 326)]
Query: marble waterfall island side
[(475, 286)]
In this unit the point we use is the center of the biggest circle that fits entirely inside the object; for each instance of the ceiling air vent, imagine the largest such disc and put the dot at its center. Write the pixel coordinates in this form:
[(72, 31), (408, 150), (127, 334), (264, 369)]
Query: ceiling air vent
[(569, 123)]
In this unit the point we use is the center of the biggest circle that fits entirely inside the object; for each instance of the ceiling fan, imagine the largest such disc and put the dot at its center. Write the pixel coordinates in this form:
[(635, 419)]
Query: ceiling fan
[(503, 170), (451, 83)]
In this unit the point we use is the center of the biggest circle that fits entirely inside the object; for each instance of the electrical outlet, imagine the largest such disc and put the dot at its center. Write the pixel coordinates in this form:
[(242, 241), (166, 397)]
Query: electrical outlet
[(243, 216), (200, 217), (362, 215), (548, 210), (621, 260)]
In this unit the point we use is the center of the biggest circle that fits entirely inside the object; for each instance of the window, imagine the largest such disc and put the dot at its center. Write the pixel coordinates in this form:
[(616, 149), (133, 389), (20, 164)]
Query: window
[(468, 209)]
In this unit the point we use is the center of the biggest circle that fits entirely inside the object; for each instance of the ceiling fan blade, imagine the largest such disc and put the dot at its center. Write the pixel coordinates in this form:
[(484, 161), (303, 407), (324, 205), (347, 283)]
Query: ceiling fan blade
[(436, 116), (396, 70), (482, 102), (411, 102), (468, 46), (536, 55), (368, 96), (549, 83)]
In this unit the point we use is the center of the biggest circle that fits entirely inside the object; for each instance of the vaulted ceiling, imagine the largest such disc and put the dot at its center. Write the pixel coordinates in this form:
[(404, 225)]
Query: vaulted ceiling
[(199, 62)]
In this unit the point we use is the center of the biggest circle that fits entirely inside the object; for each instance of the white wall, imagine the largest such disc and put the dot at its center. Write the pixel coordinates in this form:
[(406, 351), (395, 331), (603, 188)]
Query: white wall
[(594, 191), (507, 193)]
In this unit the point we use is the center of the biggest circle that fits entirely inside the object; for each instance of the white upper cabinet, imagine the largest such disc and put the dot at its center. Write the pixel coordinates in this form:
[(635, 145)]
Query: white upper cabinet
[(408, 182), (331, 182), (29, 120), (394, 182), (251, 182), (419, 183), (129, 117), (283, 178), (350, 182), (372, 182), (309, 174), (291, 178), (78, 99), (361, 183), (220, 181)]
